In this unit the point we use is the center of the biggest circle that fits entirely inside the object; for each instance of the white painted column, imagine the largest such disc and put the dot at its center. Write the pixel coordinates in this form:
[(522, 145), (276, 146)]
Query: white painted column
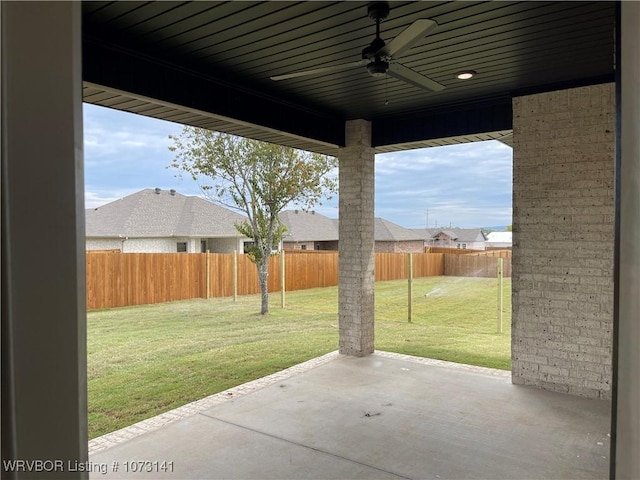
[(356, 241), (627, 414), (44, 406)]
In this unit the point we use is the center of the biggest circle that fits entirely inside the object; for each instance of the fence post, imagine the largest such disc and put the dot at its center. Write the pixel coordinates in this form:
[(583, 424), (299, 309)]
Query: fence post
[(235, 275), (207, 274), (282, 279), (410, 284), (500, 276)]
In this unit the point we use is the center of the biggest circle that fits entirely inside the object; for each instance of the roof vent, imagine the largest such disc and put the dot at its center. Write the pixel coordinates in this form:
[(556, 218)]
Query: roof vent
[(172, 192), (158, 190)]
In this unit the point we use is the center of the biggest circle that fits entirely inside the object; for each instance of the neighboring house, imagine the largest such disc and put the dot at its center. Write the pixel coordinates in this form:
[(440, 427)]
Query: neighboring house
[(392, 238), (499, 240), (308, 231), (163, 221), (312, 231), (426, 234), (463, 238)]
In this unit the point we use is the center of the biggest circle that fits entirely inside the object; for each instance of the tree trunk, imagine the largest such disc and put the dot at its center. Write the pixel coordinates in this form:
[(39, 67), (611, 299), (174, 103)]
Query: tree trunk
[(263, 276)]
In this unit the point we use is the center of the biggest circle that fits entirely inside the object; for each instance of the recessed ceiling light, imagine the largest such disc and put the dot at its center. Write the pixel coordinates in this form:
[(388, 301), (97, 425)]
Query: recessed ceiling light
[(466, 75)]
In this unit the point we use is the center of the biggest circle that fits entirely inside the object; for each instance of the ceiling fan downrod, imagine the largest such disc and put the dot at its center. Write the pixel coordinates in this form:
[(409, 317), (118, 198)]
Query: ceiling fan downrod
[(377, 67)]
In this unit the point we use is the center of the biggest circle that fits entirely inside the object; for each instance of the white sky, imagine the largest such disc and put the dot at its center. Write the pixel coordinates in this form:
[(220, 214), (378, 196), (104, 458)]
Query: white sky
[(460, 185)]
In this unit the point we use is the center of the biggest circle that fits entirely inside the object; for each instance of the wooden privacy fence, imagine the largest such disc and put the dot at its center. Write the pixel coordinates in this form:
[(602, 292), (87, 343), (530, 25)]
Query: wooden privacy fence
[(123, 279), (502, 253), (454, 251), (394, 266), (475, 266), (492, 253)]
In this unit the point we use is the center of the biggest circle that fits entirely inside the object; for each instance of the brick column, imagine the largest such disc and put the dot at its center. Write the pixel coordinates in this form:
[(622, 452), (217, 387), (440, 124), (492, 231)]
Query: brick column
[(563, 232), (356, 245)]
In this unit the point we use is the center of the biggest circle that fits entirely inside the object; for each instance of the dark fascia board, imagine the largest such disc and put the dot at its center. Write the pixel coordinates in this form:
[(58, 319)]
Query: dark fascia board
[(469, 120), (122, 70), (581, 82)]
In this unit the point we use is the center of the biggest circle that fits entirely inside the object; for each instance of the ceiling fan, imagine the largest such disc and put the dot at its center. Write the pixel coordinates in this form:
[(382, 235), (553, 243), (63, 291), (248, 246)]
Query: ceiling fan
[(381, 58)]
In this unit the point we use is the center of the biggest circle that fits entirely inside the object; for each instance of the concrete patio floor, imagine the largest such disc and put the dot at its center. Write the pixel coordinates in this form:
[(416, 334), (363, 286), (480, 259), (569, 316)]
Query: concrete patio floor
[(381, 416)]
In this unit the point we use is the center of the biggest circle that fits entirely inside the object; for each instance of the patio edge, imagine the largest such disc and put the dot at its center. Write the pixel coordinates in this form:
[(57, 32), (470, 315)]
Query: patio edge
[(154, 423)]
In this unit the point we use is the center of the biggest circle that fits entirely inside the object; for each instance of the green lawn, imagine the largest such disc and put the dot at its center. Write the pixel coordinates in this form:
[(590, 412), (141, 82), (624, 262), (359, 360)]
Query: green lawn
[(146, 360)]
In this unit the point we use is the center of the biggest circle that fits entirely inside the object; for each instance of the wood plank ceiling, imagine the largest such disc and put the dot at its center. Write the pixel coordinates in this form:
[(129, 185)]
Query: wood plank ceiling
[(209, 64)]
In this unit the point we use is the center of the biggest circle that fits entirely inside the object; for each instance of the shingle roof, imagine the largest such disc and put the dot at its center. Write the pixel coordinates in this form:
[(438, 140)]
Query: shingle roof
[(464, 234), (386, 231), (148, 214), (308, 227), (425, 233)]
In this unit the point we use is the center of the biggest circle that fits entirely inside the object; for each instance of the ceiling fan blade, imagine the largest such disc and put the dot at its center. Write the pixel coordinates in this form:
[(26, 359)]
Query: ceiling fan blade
[(408, 38), (405, 74), (317, 71)]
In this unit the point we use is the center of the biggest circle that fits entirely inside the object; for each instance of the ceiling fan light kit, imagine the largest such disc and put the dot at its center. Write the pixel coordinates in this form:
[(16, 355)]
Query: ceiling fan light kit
[(378, 68), (381, 58)]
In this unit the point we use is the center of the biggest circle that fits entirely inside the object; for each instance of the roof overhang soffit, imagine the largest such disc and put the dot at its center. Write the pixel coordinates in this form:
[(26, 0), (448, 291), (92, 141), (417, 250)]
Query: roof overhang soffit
[(125, 71), (249, 112)]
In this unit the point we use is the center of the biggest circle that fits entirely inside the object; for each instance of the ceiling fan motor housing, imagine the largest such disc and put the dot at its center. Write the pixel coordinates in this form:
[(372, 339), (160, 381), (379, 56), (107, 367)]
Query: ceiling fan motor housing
[(377, 68), (370, 51)]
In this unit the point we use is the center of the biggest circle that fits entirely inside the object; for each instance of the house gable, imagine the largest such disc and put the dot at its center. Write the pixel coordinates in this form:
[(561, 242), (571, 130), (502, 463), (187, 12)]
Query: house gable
[(471, 238)]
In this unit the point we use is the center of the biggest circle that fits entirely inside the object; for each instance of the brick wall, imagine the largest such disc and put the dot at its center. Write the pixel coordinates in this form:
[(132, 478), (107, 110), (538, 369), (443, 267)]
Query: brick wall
[(563, 238), (414, 246), (298, 245)]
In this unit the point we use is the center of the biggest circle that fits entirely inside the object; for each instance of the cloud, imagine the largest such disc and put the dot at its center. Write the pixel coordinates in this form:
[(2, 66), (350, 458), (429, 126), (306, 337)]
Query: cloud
[(125, 153), (93, 199), (111, 136), (466, 185)]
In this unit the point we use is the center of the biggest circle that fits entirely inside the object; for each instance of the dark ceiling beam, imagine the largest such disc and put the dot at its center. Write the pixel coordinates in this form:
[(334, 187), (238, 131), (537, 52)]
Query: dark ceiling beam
[(471, 120), (146, 77)]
